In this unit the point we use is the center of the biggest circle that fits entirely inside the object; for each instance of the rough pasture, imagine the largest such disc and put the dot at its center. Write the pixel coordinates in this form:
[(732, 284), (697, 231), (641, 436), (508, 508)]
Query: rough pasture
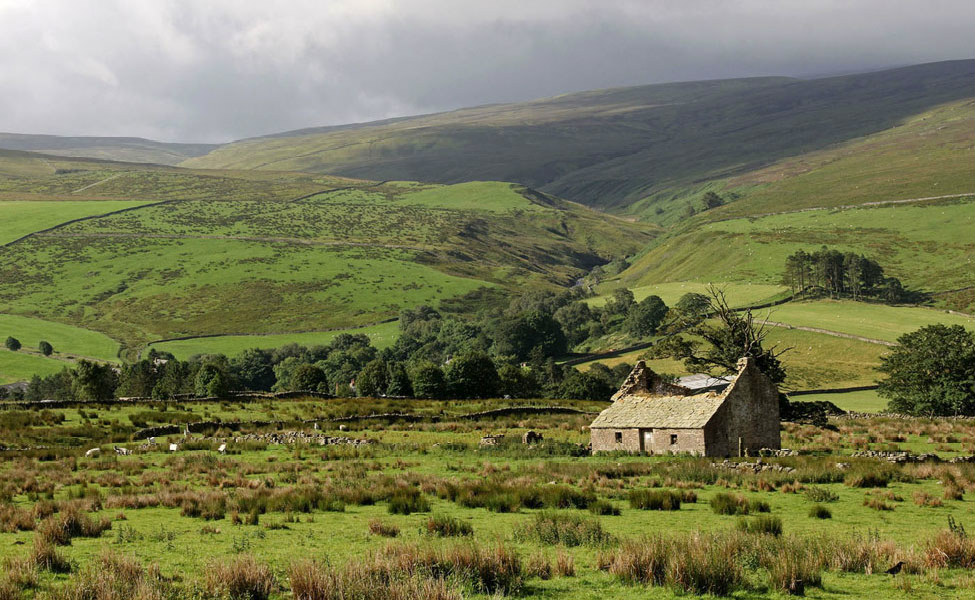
[(552, 521)]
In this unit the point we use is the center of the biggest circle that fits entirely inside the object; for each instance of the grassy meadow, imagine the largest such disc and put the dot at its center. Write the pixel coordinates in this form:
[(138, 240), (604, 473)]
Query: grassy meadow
[(560, 518), (18, 219), (875, 321)]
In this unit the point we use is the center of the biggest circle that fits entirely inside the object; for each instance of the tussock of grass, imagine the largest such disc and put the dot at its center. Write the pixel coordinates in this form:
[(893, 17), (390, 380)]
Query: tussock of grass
[(405, 501), (241, 578), (554, 528), (382, 528), (762, 524), (656, 499), (447, 526), (736, 504)]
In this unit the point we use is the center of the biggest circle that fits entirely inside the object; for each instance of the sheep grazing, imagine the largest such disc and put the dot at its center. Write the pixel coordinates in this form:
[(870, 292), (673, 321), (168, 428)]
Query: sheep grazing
[(222, 449), (173, 447), (93, 452)]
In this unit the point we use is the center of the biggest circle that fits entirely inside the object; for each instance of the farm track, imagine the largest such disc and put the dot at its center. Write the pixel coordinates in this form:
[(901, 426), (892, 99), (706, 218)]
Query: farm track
[(91, 185)]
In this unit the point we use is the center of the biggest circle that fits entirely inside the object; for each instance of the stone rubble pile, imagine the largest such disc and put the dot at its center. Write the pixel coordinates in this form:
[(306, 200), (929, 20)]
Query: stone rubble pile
[(299, 437), (907, 457), (758, 466)]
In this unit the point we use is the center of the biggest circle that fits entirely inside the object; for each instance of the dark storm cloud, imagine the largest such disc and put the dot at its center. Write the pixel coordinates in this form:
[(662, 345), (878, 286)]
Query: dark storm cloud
[(223, 69)]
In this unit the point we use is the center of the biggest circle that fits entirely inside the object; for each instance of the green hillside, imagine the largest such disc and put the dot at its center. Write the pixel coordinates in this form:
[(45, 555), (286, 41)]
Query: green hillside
[(928, 246), (614, 148), (273, 253)]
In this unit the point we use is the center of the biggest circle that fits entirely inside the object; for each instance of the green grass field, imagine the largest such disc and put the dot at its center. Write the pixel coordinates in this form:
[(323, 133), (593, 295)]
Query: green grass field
[(875, 321), (382, 336), (429, 457), (66, 339), (21, 366), (21, 218), (213, 286), (867, 401), (927, 247)]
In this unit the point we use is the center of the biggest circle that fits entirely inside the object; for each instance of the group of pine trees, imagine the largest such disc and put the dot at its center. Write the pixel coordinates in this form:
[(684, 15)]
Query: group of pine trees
[(841, 275)]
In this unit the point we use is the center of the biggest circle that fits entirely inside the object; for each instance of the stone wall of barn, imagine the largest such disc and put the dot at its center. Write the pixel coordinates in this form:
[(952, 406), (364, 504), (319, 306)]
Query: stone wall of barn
[(752, 405), (604, 440), (690, 441), (678, 441)]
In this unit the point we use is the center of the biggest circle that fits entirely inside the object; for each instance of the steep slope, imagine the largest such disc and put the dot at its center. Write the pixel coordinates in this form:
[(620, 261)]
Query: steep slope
[(614, 148), (867, 196), (109, 148)]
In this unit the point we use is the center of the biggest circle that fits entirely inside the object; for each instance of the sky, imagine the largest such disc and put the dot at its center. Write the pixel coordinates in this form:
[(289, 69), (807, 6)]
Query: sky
[(219, 70)]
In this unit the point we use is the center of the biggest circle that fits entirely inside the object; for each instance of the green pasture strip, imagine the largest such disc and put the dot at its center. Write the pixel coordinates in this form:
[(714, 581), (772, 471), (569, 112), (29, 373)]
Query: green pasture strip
[(819, 361), (867, 401), (926, 246), (875, 321), (65, 339), (382, 335), (21, 366), (738, 294), (18, 219)]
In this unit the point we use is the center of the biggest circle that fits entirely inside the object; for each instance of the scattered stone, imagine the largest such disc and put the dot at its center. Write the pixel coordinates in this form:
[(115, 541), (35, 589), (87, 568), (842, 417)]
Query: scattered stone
[(299, 437), (491, 440)]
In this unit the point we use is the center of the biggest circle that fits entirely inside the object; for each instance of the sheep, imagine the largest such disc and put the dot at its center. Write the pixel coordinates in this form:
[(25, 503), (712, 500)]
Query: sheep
[(93, 452)]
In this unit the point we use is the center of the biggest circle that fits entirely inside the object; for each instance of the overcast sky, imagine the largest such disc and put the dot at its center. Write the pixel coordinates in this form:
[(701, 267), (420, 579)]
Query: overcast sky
[(217, 70)]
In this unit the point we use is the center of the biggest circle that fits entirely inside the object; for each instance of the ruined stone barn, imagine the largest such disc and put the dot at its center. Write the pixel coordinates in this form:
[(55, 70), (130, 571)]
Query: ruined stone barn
[(730, 416)]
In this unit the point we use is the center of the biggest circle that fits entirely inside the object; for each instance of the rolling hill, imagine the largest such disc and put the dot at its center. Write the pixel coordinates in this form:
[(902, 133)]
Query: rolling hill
[(217, 252), (617, 148), (127, 149)]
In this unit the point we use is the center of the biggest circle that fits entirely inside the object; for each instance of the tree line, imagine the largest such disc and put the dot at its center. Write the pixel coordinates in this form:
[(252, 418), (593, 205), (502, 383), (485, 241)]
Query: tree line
[(508, 352), (842, 275)]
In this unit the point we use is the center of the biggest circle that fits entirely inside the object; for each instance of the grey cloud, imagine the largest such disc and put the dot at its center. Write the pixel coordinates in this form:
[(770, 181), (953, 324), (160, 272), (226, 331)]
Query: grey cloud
[(224, 69)]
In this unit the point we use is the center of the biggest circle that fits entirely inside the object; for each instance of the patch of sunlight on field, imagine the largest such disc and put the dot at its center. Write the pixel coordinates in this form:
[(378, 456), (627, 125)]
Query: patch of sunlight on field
[(21, 366), (875, 321), (867, 401), (64, 338), (18, 219)]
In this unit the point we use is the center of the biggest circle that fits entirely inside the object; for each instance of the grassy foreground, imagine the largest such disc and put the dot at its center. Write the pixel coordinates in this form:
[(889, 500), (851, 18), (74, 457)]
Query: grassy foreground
[(547, 509)]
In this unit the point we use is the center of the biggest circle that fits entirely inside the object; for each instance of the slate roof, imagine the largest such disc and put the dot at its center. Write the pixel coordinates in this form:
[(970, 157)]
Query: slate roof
[(701, 382), (676, 412)]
